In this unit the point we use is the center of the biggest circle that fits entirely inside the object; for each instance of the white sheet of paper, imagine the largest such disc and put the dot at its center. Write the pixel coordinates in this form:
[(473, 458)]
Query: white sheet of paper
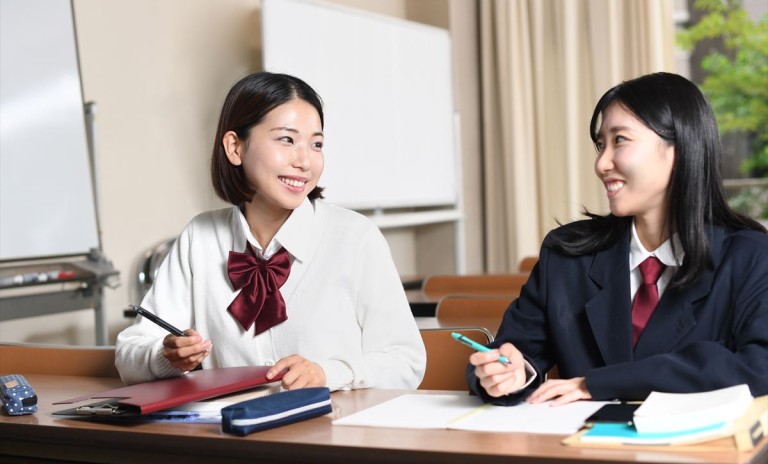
[(414, 412), (465, 412), (531, 418)]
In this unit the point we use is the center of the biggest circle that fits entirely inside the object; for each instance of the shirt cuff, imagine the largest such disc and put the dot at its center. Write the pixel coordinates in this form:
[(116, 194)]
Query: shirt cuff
[(160, 366), (338, 375), (530, 376)]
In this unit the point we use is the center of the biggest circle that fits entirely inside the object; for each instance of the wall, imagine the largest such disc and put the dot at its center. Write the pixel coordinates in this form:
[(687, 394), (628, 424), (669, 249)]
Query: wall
[(158, 71)]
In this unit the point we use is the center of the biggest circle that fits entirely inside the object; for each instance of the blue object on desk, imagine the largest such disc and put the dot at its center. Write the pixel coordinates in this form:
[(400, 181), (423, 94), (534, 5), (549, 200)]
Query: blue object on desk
[(275, 410), (606, 432), (19, 397)]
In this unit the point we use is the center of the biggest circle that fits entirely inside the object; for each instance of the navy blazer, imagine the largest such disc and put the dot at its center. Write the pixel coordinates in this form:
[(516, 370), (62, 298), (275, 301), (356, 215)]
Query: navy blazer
[(575, 312)]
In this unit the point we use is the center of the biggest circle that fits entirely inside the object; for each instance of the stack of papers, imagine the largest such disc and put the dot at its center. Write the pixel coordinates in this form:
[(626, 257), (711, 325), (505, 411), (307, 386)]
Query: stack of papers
[(677, 412), (677, 418), (206, 412), (464, 412)]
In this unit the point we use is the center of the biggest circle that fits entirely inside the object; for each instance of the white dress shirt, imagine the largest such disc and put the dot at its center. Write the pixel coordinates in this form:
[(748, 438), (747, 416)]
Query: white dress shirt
[(665, 254), (347, 310)]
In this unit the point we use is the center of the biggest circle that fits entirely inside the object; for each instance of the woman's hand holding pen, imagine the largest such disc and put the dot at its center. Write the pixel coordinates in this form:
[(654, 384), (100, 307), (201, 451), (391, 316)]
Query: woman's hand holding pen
[(499, 380), (186, 353), (301, 373), (496, 378)]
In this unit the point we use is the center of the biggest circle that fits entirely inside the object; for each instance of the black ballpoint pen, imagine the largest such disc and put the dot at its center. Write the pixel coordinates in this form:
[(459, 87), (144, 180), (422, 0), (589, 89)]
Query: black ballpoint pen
[(152, 317)]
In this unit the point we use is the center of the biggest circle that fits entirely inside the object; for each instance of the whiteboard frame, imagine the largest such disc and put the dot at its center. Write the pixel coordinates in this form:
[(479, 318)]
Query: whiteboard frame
[(47, 195)]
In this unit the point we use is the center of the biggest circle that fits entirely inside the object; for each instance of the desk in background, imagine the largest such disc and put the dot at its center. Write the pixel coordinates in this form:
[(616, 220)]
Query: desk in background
[(424, 299), (421, 306), (491, 325), (49, 437)]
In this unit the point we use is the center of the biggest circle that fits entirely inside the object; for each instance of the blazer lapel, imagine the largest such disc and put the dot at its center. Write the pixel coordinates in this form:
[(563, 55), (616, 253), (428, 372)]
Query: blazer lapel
[(609, 310), (670, 321)]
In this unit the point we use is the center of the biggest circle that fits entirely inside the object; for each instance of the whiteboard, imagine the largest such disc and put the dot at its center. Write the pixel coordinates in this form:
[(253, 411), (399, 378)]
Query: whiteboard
[(46, 191), (387, 90)]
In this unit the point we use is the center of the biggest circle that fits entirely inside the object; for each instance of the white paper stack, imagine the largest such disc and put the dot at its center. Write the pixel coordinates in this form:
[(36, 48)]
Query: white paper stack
[(677, 412)]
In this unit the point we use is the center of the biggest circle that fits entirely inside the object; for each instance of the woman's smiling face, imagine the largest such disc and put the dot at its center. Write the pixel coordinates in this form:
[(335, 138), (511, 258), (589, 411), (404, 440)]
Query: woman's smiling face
[(283, 157), (634, 164)]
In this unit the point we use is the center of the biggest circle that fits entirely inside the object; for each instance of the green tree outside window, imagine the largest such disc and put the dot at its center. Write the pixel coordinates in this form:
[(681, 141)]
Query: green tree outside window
[(736, 84)]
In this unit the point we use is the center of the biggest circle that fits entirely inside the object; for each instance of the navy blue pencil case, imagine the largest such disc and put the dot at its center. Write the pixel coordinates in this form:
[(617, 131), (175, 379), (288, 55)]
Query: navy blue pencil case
[(275, 410)]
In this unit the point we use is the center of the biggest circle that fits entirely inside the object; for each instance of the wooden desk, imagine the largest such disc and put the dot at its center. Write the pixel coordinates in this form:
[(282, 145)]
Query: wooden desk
[(421, 306), (314, 441)]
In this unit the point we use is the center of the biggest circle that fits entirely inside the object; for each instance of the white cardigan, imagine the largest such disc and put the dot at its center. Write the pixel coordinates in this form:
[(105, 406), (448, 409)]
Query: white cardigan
[(347, 310)]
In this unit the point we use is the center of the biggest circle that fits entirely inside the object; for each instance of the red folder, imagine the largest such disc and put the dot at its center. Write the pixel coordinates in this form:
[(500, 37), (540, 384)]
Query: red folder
[(162, 394)]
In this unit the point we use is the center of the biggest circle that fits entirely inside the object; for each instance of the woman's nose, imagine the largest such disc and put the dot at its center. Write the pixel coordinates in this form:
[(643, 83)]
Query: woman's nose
[(604, 162), (301, 158)]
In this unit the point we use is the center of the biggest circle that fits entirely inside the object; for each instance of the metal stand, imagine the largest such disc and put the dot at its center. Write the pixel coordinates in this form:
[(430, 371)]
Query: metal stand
[(81, 288)]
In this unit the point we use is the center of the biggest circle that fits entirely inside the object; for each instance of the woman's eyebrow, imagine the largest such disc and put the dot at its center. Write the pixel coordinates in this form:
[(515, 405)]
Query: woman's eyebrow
[(296, 131), (613, 130), (284, 128)]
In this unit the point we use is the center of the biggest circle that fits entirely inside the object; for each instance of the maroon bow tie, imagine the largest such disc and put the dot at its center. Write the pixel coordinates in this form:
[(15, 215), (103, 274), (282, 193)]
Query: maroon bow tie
[(260, 302)]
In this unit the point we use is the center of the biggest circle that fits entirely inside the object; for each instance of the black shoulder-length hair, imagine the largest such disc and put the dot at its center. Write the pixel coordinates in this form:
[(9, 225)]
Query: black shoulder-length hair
[(675, 109), (246, 105)]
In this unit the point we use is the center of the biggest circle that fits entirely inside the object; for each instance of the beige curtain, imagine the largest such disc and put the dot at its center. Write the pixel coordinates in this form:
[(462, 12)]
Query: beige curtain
[(545, 63)]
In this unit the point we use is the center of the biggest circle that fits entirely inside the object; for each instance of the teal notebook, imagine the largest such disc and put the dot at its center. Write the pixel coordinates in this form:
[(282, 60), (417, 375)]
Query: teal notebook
[(627, 435)]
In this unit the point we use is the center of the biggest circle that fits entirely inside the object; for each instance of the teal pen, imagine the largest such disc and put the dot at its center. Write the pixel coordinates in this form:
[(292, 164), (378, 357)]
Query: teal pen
[(476, 346)]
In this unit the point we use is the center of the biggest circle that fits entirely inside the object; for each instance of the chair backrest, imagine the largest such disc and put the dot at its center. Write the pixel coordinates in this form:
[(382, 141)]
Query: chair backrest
[(483, 311), (527, 264), (447, 359), (147, 267), (91, 361), (438, 286)]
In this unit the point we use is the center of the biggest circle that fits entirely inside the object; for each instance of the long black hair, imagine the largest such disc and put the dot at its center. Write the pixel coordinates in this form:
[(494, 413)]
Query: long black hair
[(246, 105), (675, 109)]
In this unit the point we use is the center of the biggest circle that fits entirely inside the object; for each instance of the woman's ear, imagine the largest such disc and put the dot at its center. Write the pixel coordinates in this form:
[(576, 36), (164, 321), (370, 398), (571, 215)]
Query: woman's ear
[(233, 148)]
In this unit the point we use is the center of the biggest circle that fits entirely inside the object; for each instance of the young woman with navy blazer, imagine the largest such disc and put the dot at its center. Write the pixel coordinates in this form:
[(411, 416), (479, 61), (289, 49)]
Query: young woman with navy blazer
[(658, 156)]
